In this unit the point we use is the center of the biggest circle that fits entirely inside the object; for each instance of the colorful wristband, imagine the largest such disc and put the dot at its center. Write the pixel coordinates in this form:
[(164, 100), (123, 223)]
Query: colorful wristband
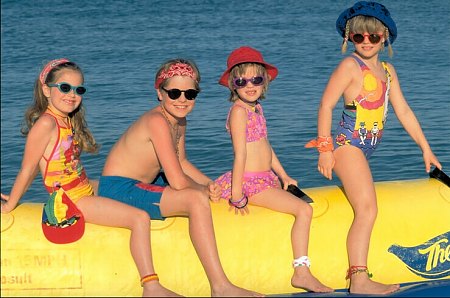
[(239, 204), (322, 143)]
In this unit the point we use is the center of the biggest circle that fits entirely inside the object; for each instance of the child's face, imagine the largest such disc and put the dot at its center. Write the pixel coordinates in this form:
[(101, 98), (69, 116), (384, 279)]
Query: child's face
[(64, 102), (250, 92), (367, 48), (182, 105)]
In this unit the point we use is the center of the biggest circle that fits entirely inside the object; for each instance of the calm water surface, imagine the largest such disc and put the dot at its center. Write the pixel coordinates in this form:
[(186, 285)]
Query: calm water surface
[(120, 45)]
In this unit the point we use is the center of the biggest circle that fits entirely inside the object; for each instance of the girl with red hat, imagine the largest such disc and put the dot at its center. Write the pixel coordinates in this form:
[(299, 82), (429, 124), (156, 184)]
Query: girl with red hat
[(257, 176), (367, 86)]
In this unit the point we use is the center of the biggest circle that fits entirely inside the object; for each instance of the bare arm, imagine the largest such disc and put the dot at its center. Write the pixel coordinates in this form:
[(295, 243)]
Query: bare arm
[(409, 121), (165, 150), (37, 142), (281, 173), (340, 80), (238, 122)]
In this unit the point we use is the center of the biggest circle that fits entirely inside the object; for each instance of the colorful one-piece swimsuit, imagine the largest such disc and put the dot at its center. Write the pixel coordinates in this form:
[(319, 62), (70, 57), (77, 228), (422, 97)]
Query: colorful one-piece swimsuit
[(363, 120), (64, 169), (253, 182)]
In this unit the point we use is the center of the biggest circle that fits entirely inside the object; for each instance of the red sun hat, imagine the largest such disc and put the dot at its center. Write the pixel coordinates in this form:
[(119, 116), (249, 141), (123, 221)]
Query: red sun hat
[(246, 55)]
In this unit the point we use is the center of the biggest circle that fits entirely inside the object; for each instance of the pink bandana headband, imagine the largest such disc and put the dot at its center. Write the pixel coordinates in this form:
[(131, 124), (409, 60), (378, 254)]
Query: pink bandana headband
[(49, 66), (177, 69)]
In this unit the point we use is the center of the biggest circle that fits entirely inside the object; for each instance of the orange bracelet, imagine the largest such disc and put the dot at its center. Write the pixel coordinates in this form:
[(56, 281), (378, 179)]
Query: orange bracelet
[(322, 143), (148, 278)]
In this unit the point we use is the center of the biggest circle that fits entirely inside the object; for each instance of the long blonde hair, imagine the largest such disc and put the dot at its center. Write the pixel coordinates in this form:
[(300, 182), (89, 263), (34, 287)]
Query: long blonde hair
[(82, 135), (363, 23)]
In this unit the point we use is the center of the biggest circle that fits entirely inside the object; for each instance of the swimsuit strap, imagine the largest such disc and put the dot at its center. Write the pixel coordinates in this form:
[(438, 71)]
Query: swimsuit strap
[(360, 62), (388, 87), (54, 147)]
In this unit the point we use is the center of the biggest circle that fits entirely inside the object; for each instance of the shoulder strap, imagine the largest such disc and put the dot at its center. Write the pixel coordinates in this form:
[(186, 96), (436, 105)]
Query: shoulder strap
[(54, 147), (360, 62), (388, 87)]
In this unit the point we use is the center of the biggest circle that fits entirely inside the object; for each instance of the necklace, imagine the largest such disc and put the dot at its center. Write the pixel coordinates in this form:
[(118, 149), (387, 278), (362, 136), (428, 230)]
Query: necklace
[(174, 128)]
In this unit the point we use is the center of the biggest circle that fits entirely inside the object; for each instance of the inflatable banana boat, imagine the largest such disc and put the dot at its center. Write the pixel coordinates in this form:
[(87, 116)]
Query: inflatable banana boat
[(410, 243)]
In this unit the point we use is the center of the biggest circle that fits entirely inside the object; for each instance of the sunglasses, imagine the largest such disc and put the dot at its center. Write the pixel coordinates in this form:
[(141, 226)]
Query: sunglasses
[(358, 38), (174, 94), (242, 82), (66, 87)]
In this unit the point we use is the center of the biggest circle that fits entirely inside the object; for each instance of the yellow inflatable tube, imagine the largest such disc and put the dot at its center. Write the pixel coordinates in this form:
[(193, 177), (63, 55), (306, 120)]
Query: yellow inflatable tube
[(410, 242)]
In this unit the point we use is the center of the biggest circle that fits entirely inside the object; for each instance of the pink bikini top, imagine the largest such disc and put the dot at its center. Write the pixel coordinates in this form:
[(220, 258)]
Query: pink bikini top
[(256, 123)]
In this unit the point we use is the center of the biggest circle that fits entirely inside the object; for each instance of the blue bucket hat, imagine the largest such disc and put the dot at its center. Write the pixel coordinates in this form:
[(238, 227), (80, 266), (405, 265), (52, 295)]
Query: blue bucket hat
[(371, 9)]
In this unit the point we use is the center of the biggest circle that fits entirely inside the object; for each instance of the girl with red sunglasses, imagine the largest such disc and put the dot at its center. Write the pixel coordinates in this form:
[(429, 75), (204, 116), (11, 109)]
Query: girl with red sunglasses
[(367, 85)]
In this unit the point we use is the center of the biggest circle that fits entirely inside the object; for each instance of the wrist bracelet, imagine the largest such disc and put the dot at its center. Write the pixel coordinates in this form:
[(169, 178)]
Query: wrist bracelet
[(239, 204), (322, 143)]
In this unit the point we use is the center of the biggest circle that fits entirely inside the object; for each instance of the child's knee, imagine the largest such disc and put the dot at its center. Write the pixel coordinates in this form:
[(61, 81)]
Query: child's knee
[(199, 200), (141, 217), (304, 211)]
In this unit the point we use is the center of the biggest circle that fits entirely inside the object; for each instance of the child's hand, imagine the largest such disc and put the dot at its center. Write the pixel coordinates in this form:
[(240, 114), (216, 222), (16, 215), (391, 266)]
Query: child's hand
[(430, 159), (243, 211), (239, 205), (214, 191), (6, 205), (288, 181), (326, 164)]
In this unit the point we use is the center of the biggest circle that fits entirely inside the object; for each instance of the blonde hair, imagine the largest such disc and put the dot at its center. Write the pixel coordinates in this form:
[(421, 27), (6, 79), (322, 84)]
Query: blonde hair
[(239, 70), (366, 24), (82, 134)]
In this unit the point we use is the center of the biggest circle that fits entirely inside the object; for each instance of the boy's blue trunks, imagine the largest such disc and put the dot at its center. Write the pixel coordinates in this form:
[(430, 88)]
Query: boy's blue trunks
[(135, 193)]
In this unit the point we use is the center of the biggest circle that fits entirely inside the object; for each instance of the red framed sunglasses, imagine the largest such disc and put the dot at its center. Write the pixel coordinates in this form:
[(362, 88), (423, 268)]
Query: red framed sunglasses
[(358, 38)]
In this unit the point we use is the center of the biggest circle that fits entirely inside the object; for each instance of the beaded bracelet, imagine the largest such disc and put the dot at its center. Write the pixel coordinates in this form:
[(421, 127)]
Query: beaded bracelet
[(148, 278), (322, 143), (238, 204)]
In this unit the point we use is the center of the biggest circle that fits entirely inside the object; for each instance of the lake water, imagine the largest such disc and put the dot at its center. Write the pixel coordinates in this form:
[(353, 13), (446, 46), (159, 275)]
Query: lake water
[(120, 45)]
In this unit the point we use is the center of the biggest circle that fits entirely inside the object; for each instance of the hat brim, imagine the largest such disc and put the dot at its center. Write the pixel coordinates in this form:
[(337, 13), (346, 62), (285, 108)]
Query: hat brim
[(271, 70), (67, 234), (370, 9)]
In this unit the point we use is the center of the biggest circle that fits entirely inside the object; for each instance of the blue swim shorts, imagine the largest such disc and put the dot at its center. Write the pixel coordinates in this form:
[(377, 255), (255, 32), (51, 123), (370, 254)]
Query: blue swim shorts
[(135, 193)]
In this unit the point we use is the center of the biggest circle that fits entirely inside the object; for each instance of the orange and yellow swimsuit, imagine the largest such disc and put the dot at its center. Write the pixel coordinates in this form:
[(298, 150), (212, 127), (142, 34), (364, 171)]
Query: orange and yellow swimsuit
[(64, 169), (362, 122)]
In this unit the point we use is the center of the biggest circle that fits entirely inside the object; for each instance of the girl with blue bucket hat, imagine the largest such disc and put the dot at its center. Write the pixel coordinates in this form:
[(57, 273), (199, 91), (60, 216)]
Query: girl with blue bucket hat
[(367, 85)]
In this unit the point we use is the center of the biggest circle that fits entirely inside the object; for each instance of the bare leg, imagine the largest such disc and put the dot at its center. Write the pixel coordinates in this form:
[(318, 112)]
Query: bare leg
[(107, 212), (195, 204), (354, 172), (302, 211)]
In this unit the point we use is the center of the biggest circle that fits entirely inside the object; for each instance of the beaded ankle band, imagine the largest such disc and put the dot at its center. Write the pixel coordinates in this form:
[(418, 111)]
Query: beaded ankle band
[(356, 270), (302, 261), (148, 278)]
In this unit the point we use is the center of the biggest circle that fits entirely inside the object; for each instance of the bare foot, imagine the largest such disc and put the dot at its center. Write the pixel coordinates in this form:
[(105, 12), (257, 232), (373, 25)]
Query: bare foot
[(361, 284), (231, 290), (155, 289), (303, 279)]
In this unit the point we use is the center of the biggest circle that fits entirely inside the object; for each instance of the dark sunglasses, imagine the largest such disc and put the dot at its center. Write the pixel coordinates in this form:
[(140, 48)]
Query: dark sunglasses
[(358, 38), (66, 87), (242, 82), (174, 94)]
